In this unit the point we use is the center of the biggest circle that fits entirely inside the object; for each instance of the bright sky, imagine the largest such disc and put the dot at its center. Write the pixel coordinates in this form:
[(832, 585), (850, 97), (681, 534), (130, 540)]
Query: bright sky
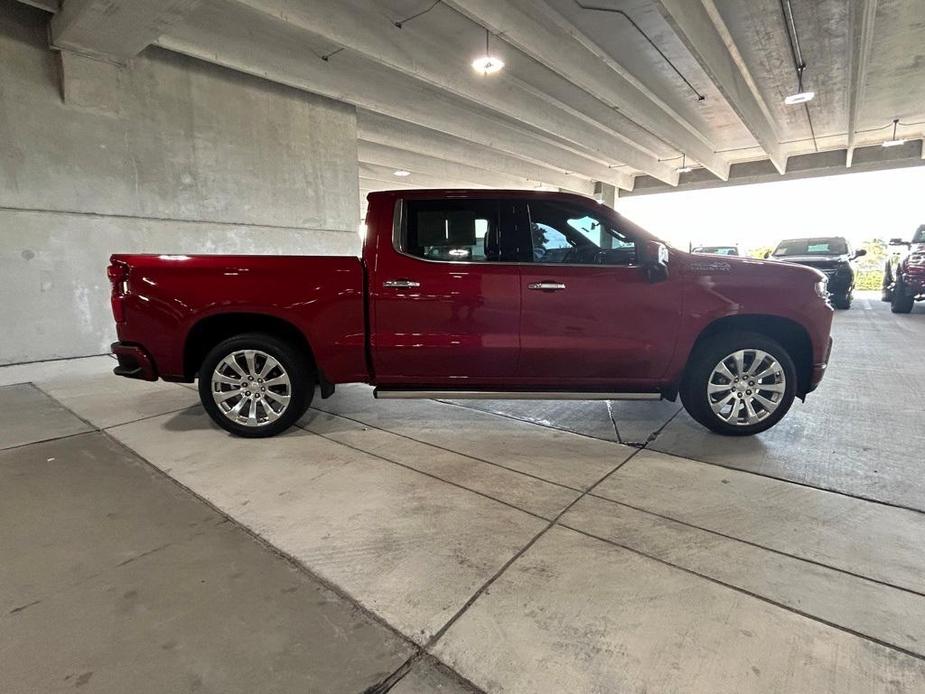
[(858, 206)]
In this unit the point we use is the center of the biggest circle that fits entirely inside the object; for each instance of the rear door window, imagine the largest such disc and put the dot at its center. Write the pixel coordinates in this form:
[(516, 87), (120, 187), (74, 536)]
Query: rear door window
[(472, 231)]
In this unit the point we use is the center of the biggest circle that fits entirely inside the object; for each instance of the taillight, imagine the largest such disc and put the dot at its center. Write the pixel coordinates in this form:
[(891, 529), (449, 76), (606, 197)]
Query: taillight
[(118, 277), (118, 272)]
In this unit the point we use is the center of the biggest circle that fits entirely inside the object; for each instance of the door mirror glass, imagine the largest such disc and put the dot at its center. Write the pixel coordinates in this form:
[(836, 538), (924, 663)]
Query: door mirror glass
[(655, 260)]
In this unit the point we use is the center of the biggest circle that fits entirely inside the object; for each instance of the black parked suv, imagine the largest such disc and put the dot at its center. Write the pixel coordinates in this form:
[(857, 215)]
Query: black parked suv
[(831, 255)]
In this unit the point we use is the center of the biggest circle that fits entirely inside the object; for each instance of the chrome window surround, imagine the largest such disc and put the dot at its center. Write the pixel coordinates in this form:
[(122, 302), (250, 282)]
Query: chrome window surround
[(400, 219)]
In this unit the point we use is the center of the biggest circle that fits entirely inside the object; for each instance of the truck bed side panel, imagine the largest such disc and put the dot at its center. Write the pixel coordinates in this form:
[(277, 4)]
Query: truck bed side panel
[(321, 296)]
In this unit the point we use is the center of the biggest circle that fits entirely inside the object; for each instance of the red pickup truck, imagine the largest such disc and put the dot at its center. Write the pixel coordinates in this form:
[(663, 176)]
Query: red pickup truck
[(904, 273), (478, 294)]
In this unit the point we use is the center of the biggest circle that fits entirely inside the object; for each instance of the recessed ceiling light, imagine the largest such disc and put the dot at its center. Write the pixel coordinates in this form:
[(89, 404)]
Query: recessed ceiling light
[(800, 98), (487, 64), (402, 173)]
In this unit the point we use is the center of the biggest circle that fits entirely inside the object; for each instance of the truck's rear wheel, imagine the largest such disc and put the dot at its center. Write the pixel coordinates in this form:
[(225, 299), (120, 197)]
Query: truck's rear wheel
[(255, 385), (739, 383)]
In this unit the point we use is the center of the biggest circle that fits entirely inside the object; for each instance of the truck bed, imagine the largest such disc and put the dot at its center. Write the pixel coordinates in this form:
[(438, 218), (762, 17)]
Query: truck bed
[(168, 298)]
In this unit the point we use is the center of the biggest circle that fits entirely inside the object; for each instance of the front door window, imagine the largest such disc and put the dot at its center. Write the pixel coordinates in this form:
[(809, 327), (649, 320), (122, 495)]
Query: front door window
[(563, 233)]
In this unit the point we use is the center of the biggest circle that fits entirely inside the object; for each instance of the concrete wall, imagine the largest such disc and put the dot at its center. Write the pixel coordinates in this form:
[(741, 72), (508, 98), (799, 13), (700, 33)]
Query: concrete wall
[(164, 155)]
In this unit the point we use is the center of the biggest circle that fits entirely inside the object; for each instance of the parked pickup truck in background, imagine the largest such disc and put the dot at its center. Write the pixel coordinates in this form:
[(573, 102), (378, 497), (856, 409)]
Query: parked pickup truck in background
[(904, 274), (478, 293), (831, 255)]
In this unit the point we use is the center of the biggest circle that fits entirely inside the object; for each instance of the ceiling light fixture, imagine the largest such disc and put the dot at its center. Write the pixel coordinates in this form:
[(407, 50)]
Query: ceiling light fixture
[(800, 98), (401, 173), (487, 64), (401, 22), (893, 142), (685, 167)]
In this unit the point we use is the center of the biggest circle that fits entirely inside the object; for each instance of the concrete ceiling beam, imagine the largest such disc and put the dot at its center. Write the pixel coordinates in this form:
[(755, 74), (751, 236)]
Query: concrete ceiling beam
[(374, 127), (559, 45), (249, 41), (444, 62), (47, 5), (385, 175), (699, 26), (395, 159), (863, 17), (117, 30), (812, 165), (374, 184)]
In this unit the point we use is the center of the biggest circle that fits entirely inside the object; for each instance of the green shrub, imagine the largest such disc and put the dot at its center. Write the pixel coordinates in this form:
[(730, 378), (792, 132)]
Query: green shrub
[(868, 280)]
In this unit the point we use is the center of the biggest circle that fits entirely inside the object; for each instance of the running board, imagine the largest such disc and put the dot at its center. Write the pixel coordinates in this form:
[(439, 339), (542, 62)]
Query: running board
[(394, 394)]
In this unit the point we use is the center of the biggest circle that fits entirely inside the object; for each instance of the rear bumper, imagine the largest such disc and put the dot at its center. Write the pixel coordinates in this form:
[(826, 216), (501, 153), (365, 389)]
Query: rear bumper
[(134, 362)]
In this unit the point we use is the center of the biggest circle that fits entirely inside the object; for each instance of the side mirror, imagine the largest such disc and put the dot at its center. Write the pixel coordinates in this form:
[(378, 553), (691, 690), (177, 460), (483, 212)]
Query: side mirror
[(898, 242), (654, 260), (767, 254), (861, 251)]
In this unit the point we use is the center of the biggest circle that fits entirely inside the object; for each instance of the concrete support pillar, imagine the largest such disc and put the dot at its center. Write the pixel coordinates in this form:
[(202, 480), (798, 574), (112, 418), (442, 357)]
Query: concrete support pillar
[(117, 31), (88, 83), (605, 193)]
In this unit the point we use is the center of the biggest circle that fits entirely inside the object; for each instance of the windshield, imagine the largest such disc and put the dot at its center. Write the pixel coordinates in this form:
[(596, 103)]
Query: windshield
[(824, 246), (919, 235)]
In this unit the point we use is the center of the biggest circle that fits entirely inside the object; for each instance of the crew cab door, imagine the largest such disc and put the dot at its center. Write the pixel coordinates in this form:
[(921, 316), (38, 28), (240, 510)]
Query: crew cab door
[(591, 317), (444, 303)]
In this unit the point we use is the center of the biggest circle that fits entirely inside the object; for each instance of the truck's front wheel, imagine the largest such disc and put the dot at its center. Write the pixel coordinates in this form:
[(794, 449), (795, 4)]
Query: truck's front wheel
[(901, 302), (739, 383), (255, 385)]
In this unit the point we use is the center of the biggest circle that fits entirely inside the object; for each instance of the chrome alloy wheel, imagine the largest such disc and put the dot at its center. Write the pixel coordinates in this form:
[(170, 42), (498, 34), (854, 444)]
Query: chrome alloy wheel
[(746, 387), (251, 388)]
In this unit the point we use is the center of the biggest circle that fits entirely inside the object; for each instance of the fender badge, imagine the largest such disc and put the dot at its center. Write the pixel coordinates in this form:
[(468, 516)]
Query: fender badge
[(711, 266)]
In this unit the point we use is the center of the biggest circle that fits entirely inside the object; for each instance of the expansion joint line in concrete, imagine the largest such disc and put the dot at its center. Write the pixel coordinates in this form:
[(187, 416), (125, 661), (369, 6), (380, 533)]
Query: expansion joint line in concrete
[(290, 559), (396, 676), (652, 439)]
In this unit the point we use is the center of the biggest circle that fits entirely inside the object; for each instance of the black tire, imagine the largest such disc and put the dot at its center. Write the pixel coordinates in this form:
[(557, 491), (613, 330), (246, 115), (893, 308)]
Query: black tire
[(707, 356), (886, 290), (296, 365), (842, 301), (901, 302)]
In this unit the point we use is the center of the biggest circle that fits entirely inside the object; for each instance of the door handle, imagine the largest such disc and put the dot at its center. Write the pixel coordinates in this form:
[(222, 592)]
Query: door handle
[(401, 284), (546, 286)]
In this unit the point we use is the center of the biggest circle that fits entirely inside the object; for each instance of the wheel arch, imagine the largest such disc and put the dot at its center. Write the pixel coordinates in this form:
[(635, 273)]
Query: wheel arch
[(211, 330), (790, 334)]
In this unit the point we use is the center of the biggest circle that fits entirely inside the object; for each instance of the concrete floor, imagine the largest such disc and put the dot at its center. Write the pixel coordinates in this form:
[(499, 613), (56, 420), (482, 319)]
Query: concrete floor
[(527, 546)]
